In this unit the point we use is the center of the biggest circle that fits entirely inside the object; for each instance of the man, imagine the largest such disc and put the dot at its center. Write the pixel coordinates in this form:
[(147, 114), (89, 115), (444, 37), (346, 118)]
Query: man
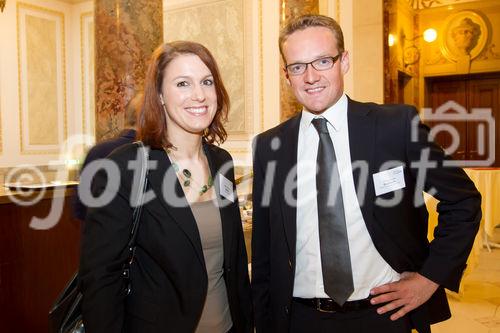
[(330, 259), (104, 148)]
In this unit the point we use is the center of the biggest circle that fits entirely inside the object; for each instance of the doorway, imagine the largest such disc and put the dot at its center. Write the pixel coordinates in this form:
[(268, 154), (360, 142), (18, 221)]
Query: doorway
[(479, 139)]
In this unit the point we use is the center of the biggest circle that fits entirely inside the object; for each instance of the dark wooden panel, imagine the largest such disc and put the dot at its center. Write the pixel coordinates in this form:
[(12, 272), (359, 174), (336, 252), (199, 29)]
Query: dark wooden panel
[(485, 93), (442, 91), (34, 264), (470, 91)]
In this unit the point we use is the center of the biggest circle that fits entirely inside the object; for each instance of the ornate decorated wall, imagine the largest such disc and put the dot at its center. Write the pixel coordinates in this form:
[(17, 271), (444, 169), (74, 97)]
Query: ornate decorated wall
[(45, 66), (401, 68), (467, 42), (468, 38), (54, 40)]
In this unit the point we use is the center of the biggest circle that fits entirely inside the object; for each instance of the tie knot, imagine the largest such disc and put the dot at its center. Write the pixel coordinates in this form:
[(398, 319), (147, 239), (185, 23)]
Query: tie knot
[(320, 125)]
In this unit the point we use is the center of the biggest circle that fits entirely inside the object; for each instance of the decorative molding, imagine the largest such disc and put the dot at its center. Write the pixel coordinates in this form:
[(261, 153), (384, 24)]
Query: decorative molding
[(489, 53), (74, 2), (419, 4), (1, 141), (436, 59), (261, 68), (455, 44), (25, 10), (425, 4), (87, 73), (1, 113)]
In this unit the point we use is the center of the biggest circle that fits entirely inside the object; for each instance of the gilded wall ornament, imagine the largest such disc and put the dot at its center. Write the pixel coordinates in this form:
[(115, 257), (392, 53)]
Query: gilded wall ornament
[(465, 35)]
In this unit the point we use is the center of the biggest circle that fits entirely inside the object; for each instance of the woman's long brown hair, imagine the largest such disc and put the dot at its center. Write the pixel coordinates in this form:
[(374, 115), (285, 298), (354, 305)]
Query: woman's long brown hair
[(152, 126)]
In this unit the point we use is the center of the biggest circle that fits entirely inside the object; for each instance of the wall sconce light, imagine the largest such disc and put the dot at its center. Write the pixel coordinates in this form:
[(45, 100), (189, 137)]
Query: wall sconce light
[(411, 53), (430, 35), (391, 40), (2, 4)]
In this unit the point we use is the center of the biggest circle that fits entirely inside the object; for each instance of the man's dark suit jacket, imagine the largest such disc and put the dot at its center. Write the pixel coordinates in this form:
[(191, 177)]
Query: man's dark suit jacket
[(101, 150), (168, 275), (377, 134)]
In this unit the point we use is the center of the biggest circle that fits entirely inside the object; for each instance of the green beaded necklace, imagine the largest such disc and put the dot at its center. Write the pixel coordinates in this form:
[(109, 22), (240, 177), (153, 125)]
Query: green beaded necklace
[(186, 176)]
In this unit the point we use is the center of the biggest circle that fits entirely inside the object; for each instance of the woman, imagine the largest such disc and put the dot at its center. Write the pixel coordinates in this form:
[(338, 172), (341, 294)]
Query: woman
[(189, 272)]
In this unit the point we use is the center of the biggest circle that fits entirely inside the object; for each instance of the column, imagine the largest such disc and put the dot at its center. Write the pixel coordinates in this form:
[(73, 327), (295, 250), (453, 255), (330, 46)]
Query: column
[(126, 33), (291, 9)]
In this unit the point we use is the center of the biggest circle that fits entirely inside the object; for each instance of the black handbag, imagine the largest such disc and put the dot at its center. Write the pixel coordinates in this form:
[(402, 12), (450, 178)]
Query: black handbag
[(66, 313)]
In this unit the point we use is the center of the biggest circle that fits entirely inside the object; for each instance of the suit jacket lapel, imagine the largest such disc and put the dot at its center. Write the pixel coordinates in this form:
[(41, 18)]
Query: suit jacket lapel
[(287, 162), (225, 206), (180, 214), (362, 124)]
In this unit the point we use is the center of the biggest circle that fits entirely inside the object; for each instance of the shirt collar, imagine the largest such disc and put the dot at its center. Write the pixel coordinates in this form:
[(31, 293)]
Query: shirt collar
[(336, 115)]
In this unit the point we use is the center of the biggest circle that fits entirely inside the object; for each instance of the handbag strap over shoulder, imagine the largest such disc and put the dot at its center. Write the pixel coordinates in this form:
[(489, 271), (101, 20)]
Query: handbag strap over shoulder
[(143, 185), (66, 314)]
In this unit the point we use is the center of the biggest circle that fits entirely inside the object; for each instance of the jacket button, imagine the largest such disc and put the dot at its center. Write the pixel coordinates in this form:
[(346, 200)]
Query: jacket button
[(286, 310), (228, 269)]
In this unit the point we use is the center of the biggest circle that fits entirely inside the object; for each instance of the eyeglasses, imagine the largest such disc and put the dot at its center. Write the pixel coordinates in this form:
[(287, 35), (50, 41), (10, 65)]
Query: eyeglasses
[(321, 64)]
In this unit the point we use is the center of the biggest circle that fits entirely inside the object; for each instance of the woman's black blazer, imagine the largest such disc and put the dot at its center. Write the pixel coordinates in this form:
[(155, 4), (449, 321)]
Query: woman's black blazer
[(168, 274)]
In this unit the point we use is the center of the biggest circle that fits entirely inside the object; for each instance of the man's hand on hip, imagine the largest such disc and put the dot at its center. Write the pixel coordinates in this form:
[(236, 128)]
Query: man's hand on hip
[(411, 291)]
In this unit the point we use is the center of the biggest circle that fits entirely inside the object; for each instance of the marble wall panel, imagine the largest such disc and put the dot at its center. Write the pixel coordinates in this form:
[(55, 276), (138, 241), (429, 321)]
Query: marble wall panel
[(42, 79), (126, 33), (221, 27), (290, 9)]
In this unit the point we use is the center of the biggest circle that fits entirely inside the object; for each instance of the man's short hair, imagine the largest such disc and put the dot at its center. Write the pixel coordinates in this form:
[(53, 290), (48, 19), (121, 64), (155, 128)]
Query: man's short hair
[(307, 21)]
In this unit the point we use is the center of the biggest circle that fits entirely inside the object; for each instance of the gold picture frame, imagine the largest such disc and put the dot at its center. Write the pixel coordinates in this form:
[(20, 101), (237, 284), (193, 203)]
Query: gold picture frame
[(464, 35)]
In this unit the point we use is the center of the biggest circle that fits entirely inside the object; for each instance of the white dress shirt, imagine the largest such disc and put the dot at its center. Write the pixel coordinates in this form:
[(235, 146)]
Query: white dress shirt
[(369, 269)]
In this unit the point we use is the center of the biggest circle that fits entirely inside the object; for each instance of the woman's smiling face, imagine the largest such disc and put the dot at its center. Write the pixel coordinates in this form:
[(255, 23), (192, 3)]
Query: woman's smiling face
[(189, 95)]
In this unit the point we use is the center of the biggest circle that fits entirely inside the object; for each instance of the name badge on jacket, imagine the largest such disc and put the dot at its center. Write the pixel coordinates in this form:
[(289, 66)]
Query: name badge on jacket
[(389, 180), (226, 188)]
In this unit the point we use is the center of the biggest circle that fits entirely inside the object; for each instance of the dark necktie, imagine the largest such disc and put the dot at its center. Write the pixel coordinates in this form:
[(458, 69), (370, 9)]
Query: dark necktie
[(334, 246)]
